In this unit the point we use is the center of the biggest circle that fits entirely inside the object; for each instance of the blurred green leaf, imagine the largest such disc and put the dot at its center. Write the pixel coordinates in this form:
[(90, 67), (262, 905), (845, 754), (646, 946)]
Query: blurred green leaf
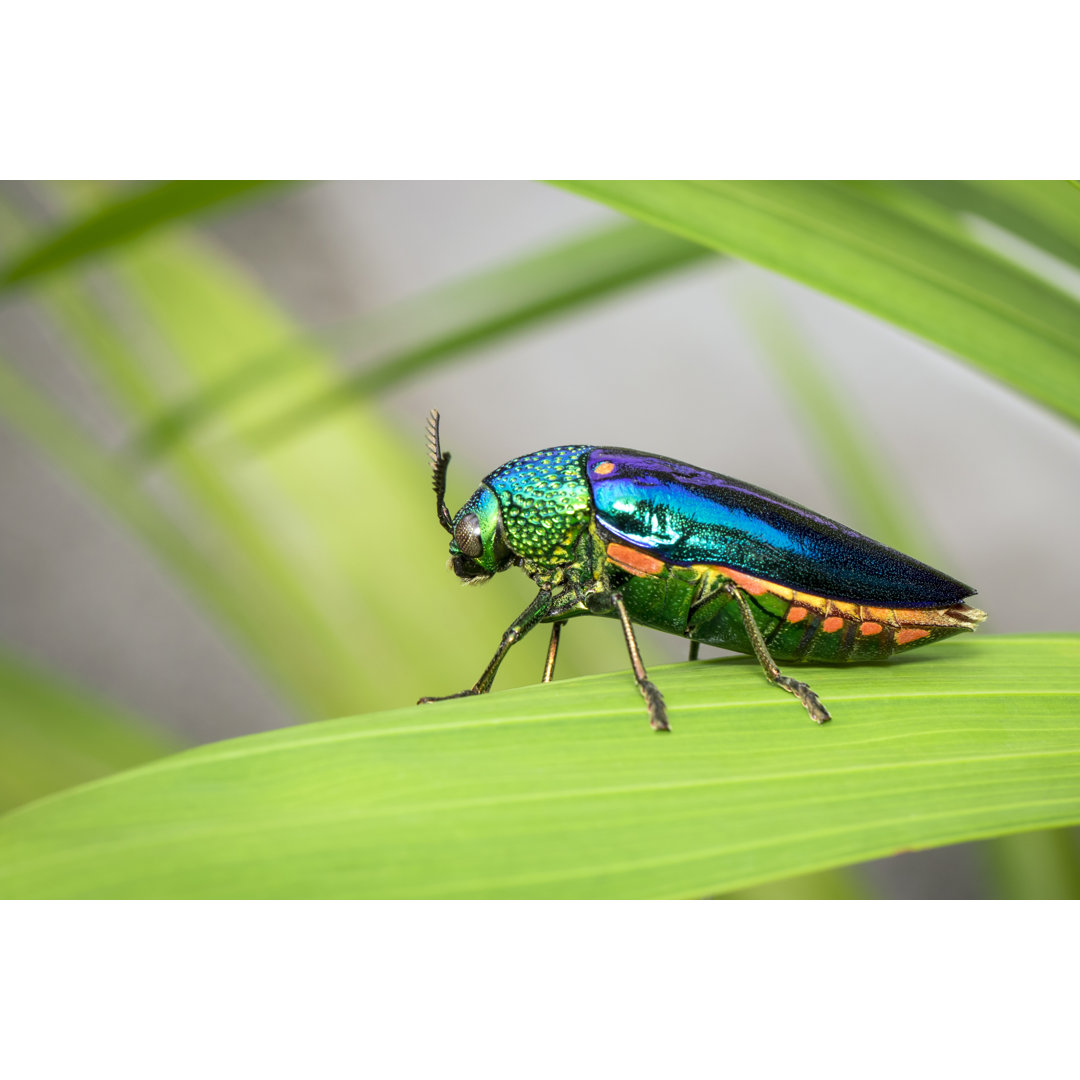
[(838, 884), (1035, 866), (1046, 213), (325, 562), (348, 509), (420, 333), (122, 219), (864, 250), (54, 735), (563, 791)]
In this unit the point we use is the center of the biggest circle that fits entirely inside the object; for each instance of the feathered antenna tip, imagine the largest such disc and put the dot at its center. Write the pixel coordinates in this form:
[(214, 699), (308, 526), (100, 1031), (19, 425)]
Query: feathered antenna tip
[(439, 462), (433, 437)]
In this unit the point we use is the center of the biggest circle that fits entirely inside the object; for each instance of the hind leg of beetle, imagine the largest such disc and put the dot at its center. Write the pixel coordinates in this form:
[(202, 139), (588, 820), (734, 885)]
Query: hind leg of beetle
[(654, 700), (694, 646), (810, 700), (553, 648), (533, 614)]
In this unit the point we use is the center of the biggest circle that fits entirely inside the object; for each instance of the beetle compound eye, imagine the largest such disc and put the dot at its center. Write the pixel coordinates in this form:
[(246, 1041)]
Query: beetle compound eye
[(467, 536)]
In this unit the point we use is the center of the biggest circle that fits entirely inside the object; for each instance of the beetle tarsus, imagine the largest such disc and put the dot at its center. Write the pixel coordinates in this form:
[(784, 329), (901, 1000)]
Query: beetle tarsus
[(818, 713), (450, 697), (654, 702)]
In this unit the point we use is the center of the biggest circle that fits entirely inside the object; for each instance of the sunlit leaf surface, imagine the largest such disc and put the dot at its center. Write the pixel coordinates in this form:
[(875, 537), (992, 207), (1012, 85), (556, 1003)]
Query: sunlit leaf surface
[(564, 791)]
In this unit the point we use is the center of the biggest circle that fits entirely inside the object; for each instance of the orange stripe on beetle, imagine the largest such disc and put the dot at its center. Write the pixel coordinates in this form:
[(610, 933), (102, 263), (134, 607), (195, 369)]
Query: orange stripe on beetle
[(832, 624), (633, 561), (868, 629), (796, 614), (911, 633), (754, 586), (604, 467)]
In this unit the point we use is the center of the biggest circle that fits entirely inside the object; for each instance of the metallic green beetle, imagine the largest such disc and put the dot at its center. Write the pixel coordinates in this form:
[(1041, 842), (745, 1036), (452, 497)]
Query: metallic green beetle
[(647, 539)]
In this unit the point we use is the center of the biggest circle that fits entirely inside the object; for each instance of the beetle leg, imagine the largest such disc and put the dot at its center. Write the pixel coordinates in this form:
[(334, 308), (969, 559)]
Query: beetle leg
[(810, 700), (694, 646), (553, 648), (533, 614), (654, 700)]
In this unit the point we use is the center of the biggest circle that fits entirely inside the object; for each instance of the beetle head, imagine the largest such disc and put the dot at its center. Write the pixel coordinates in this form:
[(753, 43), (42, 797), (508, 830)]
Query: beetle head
[(477, 545)]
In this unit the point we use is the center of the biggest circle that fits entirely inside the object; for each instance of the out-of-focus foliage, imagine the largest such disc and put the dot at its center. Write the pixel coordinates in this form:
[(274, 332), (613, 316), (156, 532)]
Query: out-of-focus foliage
[(54, 735), (114, 222), (431, 329), (320, 556), (324, 560), (893, 252)]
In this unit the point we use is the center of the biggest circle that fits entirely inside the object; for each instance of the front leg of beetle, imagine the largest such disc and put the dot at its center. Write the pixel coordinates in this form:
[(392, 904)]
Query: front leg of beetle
[(540, 607), (654, 700), (810, 700)]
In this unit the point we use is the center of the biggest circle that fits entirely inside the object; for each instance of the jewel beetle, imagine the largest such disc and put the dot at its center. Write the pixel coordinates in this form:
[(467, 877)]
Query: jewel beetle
[(650, 540)]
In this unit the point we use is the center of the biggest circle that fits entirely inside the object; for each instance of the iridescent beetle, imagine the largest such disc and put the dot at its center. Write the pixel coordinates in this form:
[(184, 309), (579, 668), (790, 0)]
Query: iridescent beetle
[(646, 539)]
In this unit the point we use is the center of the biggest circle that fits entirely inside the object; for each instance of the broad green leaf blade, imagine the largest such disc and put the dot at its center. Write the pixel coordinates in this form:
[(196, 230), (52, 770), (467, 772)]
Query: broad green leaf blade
[(436, 326), (869, 252), (53, 735), (128, 216), (563, 791)]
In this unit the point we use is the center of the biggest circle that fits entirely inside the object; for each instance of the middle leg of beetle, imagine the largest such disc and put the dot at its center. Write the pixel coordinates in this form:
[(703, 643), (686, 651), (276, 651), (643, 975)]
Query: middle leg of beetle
[(654, 700), (810, 700)]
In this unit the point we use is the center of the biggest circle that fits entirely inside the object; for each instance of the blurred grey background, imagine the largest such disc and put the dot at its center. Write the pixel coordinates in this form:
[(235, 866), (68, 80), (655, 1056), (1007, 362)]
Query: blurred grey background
[(989, 482)]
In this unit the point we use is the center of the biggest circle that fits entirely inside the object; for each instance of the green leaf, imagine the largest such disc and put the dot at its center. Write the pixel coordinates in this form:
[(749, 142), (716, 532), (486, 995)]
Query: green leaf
[(563, 791), (1035, 866), (1046, 213), (871, 252), (116, 222), (437, 326), (54, 735)]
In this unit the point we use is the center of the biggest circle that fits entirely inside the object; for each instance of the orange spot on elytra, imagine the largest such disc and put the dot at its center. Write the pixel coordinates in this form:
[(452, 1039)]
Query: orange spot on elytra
[(870, 628), (910, 634), (754, 586), (604, 467), (796, 614), (633, 561), (832, 624)]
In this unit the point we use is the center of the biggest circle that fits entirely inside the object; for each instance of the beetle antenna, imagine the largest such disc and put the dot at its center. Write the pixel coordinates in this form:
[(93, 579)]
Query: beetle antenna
[(439, 462)]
